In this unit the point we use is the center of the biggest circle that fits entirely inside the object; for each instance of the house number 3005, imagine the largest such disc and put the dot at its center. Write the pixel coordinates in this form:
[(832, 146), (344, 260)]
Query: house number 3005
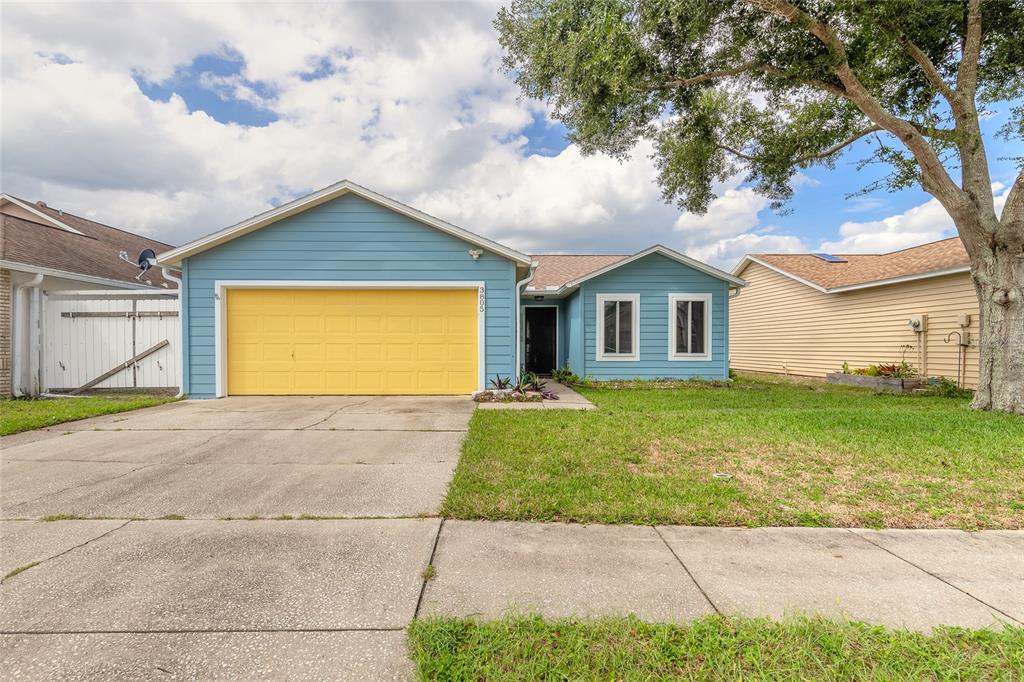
[(482, 298)]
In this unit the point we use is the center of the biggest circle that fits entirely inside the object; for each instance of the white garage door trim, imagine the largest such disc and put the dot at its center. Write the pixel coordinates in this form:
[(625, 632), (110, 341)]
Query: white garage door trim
[(220, 288)]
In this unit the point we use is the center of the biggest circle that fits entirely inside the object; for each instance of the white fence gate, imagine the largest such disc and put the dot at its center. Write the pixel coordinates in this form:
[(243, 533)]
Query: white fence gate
[(89, 335)]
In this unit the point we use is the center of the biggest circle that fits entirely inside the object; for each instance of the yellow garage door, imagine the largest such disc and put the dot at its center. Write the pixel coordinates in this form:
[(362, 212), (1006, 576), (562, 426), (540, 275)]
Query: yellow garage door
[(369, 342)]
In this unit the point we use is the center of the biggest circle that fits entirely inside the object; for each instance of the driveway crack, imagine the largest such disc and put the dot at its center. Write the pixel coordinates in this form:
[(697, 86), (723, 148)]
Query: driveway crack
[(935, 575), (71, 549), (692, 578), (428, 578), (86, 485), (333, 412)]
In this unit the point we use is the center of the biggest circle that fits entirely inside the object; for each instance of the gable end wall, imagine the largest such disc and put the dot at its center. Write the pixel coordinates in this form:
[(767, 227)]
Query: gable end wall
[(347, 239)]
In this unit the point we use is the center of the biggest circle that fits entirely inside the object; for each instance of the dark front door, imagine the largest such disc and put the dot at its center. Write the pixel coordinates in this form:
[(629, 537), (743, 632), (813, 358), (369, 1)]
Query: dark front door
[(541, 330)]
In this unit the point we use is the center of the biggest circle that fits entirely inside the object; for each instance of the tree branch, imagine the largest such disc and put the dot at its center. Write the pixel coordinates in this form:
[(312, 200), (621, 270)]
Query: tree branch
[(945, 134), (935, 179), (805, 158), (1012, 219), (747, 67), (967, 76), (932, 74), (714, 75)]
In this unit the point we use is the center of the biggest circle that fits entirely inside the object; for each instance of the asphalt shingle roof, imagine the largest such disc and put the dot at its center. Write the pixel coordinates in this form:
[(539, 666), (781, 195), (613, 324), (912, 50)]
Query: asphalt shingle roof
[(864, 268), (93, 253), (557, 270)]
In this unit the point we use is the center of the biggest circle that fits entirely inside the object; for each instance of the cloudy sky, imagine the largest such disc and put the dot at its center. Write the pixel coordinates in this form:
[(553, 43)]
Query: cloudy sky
[(177, 120)]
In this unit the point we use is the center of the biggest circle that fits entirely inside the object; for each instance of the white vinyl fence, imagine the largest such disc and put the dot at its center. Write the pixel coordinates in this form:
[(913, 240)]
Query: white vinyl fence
[(90, 335)]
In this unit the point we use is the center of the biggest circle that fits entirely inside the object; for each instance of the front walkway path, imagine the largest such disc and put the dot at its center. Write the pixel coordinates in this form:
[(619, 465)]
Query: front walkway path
[(330, 599)]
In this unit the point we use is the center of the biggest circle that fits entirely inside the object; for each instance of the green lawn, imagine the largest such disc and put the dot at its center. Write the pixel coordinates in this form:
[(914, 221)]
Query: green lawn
[(713, 648), (24, 415), (804, 454)]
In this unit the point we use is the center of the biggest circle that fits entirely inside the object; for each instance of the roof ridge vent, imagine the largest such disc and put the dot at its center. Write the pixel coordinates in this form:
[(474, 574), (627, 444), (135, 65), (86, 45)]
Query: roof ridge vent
[(829, 258)]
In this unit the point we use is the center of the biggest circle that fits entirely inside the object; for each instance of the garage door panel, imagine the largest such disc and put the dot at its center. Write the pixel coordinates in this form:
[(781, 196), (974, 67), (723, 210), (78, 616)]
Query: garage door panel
[(339, 352), (352, 341), (309, 352), (280, 323)]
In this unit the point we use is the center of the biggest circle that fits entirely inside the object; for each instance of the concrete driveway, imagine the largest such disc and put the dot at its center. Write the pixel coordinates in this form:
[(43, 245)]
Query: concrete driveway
[(242, 457), (132, 594)]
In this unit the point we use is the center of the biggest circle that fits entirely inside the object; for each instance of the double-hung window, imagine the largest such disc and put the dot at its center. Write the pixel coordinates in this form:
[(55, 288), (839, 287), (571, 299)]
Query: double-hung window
[(689, 322), (618, 326)]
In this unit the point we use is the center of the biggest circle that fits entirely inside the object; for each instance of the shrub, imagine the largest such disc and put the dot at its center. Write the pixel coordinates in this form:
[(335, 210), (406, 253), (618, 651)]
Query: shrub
[(947, 388), (565, 376)]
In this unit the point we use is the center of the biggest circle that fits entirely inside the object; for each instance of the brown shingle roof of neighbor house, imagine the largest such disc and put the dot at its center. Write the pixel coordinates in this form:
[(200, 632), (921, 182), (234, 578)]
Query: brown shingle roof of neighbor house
[(866, 268), (556, 270), (94, 252)]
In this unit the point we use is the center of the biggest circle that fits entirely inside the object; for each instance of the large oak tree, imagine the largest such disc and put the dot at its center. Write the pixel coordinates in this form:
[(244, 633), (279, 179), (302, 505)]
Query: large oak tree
[(769, 87)]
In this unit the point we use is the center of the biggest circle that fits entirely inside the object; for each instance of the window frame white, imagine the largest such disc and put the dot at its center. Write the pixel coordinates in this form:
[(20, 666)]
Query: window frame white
[(600, 355), (673, 300)]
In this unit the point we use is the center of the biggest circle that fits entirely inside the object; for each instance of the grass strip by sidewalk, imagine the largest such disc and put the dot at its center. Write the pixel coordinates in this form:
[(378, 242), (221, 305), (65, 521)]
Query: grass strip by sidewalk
[(713, 648), (24, 415)]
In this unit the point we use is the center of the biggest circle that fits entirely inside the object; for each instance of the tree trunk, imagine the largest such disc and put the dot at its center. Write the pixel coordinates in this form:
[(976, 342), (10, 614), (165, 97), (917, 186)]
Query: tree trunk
[(999, 281)]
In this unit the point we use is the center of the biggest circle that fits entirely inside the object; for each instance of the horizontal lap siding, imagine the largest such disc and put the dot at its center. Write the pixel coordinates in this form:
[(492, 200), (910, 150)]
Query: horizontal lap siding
[(573, 310), (654, 278), (780, 325), (348, 239)]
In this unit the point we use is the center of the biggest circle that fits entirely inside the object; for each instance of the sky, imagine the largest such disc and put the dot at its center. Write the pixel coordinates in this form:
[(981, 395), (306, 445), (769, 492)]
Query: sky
[(176, 120)]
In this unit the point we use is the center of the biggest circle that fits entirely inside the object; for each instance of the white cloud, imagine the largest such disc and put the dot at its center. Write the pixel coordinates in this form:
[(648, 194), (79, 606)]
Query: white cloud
[(920, 224), (411, 102), (728, 252)]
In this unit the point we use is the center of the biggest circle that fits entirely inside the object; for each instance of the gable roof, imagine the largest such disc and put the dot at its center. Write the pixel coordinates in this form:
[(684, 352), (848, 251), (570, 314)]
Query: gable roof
[(339, 189), (560, 273), (860, 271), (553, 271), (68, 245)]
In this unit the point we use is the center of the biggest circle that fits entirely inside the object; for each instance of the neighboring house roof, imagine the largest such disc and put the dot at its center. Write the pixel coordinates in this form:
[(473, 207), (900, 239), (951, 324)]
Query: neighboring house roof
[(62, 244), (858, 271), (176, 256), (559, 273)]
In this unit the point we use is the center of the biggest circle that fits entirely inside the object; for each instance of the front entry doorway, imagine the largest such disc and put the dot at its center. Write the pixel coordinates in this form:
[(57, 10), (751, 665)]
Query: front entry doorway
[(541, 338)]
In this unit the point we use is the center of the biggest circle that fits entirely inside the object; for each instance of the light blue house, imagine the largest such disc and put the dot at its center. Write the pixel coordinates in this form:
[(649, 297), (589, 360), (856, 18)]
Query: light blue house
[(348, 291)]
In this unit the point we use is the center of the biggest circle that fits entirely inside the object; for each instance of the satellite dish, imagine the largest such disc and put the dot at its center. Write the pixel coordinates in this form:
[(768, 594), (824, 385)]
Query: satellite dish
[(144, 259)]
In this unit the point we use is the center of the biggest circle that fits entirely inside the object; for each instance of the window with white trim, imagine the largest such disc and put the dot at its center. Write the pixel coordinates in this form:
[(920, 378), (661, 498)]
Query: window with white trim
[(689, 320), (618, 326)]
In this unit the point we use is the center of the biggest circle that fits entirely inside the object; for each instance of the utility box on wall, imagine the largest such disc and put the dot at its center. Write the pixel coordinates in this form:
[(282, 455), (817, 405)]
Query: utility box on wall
[(918, 323)]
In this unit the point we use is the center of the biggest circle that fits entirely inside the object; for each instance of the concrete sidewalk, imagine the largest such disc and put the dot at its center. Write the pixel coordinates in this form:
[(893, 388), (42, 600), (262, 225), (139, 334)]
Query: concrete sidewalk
[(271, 599)]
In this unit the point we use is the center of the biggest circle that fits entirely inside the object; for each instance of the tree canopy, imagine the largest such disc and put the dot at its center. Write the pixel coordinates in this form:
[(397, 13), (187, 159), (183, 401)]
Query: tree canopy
[(728, 87)]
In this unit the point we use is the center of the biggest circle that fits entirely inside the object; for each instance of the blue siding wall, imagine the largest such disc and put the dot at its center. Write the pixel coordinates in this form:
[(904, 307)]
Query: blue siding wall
[(347, 239), (654, 278), (574, 335)]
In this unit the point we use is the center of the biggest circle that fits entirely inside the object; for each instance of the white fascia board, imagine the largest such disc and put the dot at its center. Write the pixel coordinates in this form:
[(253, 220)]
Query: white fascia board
[(35, 211), (63, 274), (668, 253), (175, 256)]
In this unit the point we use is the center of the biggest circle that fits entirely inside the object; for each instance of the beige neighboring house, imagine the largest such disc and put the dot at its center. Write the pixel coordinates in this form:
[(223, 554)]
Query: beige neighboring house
[(46, 249), (805, 314)]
